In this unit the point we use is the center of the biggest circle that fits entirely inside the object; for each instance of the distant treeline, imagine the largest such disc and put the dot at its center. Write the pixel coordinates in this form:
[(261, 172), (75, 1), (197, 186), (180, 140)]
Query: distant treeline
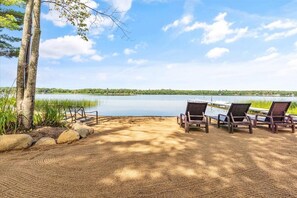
[(159, 92)]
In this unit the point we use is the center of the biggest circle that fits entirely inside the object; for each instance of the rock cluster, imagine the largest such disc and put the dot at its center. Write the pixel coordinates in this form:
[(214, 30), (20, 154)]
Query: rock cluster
[(23, 141)]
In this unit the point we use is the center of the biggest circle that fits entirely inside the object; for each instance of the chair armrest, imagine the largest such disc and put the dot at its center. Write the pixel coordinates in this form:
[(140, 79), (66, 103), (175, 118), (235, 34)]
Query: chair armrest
[(224, 116)]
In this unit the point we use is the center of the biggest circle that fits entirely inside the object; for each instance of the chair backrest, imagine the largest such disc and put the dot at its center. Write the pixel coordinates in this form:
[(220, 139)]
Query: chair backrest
[(196, 108), (238, 109), (278, 109)]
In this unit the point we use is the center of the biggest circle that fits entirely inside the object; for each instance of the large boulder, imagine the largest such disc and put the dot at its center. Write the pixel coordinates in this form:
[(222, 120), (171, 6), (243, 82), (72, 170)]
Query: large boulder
[(15, 141), (82, 129), (68, 136), (45, 141)]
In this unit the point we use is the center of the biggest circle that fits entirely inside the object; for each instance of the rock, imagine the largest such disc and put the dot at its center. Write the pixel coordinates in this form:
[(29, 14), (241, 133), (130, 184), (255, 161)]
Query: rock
[(15, 141), (83, 130), (45, 141), (68, 136)]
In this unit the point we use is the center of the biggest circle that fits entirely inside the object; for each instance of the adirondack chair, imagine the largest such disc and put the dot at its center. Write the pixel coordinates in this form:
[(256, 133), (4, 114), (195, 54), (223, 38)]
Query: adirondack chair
[(235, 118), (276, 117), (194, 116)]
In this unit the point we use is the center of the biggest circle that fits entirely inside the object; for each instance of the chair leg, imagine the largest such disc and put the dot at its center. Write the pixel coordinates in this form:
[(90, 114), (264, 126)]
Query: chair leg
[(219, 124), (187, 128), (255, 123), (275, 128), (293, 128), (206, 128), (231, 128), (251, 128)]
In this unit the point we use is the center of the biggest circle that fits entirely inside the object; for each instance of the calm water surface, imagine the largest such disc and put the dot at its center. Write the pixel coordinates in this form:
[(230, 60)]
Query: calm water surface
[(154, 105)]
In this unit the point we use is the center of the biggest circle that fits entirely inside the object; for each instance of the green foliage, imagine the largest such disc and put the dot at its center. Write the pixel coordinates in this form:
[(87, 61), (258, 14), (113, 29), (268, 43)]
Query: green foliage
[(8, 118), (162, 92), (12, 20), (40, 104), (166, 92), (48, 112), (52, 112), (79, 14), (266, 105), (49, 116)]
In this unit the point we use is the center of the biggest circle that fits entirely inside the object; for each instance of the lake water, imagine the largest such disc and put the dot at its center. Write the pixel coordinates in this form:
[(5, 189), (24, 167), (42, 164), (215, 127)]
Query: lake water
[(154, 105)]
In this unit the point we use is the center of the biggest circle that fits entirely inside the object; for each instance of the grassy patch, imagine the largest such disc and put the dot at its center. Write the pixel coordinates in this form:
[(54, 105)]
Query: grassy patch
[(51, 112), (266, 105), (47, 112)]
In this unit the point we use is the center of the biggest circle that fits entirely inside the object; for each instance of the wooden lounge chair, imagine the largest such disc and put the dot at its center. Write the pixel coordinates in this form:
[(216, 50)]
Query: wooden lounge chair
[(194, 116), (235, 118), (276, 117)]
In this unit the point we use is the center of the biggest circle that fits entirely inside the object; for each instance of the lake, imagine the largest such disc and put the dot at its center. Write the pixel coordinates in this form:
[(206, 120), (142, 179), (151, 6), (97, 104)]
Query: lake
[(154, 105)]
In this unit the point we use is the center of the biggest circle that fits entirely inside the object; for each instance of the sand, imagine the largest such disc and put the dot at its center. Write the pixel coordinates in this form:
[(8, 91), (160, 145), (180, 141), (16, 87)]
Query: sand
[(153, 157)]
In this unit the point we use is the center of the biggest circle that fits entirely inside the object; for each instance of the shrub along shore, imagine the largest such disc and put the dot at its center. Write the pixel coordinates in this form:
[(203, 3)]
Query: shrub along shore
[(160, 92)]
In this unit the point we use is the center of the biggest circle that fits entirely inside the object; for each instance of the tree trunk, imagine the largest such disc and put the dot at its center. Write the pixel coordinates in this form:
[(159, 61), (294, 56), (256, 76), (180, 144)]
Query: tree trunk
[(29, 93), (22, 61)]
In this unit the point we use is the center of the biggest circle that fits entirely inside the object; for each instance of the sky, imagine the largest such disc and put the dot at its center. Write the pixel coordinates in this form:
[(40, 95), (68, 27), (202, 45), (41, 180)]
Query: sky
[(171, 44)]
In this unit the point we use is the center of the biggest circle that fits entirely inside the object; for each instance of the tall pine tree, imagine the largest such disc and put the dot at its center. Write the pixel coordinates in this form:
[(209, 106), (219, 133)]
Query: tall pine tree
[(12, 20)]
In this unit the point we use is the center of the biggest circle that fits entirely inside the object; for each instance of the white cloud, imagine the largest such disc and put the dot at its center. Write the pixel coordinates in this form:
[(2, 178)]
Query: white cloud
[(280, 24), (129, 51), (271, 50), (217, 52), (240, 33), (121, 5), (97, 58), (66, 46), (53, 16), (185, 20), (271, 54), (137, 61), (217, 31), (280, 29), (295, 44), (77, 59), (115, 54), (110, 37), (281, 35)]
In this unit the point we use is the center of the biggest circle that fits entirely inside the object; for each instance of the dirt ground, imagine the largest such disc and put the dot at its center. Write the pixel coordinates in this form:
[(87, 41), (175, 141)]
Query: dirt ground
[(153, 157)]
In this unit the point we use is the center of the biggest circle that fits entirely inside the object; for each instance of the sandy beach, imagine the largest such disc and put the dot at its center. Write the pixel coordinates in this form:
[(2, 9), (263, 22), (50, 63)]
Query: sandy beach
[(153, 157)]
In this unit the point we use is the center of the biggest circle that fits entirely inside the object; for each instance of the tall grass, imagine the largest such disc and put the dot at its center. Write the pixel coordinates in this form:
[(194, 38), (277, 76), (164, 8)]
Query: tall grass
[(40, 104), (266, 105), (52, 112), (8, 118), (47, 112)]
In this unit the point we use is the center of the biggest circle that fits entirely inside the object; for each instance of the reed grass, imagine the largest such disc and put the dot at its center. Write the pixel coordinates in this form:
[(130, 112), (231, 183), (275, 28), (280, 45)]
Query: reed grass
[(52, 112), (266, 105), (41, 104), (8, 118), (47, 112)]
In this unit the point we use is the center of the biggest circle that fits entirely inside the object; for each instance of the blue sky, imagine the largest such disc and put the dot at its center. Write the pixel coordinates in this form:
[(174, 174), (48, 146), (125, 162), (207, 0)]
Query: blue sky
[(176, 44)]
